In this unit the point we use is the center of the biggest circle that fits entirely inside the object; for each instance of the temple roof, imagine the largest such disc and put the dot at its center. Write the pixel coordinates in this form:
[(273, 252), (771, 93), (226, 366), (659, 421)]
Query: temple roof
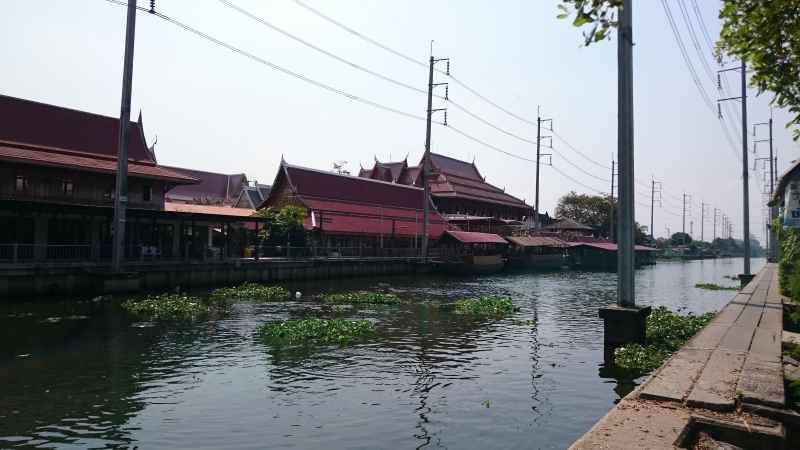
[(212, 188), (568, 224)]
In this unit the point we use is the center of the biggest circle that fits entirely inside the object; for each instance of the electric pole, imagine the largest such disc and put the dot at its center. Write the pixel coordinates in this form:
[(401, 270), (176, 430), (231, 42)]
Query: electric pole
[(652, 205), (611, 204), (625, 154), (121, 186), (426, 188), (702, 219), (715, 226), (539, 155), (773, 211)]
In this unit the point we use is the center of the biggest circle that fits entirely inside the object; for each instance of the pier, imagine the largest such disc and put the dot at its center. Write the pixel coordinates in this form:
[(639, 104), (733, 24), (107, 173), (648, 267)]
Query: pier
[(727, 381)]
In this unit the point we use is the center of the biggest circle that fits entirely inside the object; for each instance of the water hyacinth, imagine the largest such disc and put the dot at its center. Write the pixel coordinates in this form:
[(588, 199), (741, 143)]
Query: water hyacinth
[(168, 307), (315, 332), (666, 332), (252, 291), (715, 287), (362, 297), (485, 306)]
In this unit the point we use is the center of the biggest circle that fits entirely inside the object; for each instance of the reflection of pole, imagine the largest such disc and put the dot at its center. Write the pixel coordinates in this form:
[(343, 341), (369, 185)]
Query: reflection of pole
[(625, 237), (121, 188)]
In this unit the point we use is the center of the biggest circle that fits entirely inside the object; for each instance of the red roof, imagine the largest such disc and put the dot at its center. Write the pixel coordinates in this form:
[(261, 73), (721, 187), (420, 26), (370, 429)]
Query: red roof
[(88, 162), (537, 241), (44, 125), (353, 205), (455, 167), (610, 246), (213, 187), (471, 237)]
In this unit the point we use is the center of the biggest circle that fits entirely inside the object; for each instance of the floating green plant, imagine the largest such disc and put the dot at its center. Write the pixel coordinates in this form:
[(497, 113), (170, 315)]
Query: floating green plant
[(170, 307), (252, 291), (666, 332), (351, 298), (485, 306), (315, 332), (715, 287)]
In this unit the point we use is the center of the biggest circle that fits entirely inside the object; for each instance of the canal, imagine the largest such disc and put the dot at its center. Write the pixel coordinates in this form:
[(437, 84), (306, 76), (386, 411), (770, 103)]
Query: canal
[(80, 373)]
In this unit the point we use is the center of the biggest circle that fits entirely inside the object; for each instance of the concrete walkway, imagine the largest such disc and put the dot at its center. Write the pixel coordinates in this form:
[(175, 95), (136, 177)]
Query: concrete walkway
[(732, 365)]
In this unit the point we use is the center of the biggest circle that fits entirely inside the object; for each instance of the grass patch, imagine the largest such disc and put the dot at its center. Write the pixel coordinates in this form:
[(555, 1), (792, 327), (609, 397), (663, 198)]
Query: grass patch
[(485, 306), (315, 332), (171, 307), (793, 392), (374, 298), (715, 287), (666, 332), (252, 291)]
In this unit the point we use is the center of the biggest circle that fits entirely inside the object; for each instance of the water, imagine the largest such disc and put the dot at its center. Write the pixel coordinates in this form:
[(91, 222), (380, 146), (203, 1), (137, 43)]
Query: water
[(82, 374)]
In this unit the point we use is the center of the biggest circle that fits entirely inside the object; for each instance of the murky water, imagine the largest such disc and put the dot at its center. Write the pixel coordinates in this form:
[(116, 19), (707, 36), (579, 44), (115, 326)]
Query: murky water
[(82, 374)]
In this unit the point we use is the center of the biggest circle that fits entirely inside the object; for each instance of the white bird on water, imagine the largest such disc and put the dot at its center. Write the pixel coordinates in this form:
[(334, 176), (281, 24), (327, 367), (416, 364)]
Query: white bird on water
[(297, 295)]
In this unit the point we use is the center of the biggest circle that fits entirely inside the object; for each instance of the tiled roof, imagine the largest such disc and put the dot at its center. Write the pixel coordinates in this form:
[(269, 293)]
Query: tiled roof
[(568, 224), (536, 241), (208, 209), (213, 186), (44, 125), (88, 162), (610, 246), (471, 237), (455, 167)]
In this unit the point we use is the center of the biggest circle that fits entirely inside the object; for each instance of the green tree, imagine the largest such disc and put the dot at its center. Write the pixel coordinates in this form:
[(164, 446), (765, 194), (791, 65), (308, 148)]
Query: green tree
[(680, 238), (591, 210), (765, 34), (284, 225)]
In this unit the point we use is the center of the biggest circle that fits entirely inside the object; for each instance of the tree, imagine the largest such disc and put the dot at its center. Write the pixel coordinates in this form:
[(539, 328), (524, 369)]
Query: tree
[(681, 238), (283, 226), (765, 34), (591, 210)]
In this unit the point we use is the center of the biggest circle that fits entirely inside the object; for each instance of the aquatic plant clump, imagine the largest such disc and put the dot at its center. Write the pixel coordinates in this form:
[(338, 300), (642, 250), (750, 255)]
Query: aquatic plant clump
[(715, 287), (375, 298), (167, 306), (315, 332), (252, 291), (666, 332), (485, 306)]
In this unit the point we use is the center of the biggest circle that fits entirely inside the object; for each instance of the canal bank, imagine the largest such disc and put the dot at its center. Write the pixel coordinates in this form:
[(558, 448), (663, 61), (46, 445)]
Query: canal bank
[(726, 382), (80, 373)]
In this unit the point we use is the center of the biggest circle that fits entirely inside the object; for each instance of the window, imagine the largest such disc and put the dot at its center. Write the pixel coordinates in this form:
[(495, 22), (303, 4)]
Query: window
[(22, 183), (67, 187), (147, 192)]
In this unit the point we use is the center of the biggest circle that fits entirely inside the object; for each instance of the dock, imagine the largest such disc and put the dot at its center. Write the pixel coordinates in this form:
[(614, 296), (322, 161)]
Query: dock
[(727, 380)]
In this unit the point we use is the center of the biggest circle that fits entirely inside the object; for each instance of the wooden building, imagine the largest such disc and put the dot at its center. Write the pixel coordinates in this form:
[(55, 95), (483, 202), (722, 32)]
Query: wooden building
[(537, 252), (352, 214), (467, 252), (57, 184), (603, 255)]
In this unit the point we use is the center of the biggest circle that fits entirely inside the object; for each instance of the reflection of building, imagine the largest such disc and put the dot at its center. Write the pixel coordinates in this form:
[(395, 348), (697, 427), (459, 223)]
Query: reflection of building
[(457, 188), (57, 182), (354, 212)]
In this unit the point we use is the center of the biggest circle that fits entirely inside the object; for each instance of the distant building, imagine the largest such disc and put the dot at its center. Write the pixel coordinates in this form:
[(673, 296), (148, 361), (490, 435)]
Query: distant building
[(212, 188), (569, 228), (354, 212), (457, 188)]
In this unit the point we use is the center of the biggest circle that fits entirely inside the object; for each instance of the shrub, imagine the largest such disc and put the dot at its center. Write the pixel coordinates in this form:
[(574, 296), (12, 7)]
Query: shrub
[(362, 297), (168, 306), (252, 291), (485, 306), (666, 332), (315, 332)]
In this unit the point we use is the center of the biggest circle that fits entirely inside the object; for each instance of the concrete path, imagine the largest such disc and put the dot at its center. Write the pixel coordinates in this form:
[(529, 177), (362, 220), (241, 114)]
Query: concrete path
[(734, 361)]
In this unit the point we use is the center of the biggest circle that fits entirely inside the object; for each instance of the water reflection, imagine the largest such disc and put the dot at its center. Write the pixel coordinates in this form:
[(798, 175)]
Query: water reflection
[(83, 374)]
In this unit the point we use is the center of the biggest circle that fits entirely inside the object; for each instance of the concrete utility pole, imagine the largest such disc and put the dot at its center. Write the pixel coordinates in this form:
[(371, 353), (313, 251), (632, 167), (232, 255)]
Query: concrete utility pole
[(745, 181), (714, 238), (611, 204), (121, 188), (773, 211), (702, 219), (426, 188), (683, 216), (625, 236), (652, 206), (539, 155)]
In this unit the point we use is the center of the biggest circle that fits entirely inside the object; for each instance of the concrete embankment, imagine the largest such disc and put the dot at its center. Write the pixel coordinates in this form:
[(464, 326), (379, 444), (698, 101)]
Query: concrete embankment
[(727, 382), (88, 279)]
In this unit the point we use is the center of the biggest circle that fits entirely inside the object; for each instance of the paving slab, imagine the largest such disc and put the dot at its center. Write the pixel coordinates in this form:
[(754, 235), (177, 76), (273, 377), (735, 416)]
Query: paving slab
[(675, 379), (716, 387), (738, 338), (767, 343), (709, 337), (750, 316), (761, 382)]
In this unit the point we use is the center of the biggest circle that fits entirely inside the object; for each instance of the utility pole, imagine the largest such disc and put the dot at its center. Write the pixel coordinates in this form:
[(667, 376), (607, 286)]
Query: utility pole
[(611, 204), (702, 219), (121, 186), (773, 211), (683, 215), (745, 277), (539, 155), (652, 205), (625, 235), (426, 188), (714, 238)]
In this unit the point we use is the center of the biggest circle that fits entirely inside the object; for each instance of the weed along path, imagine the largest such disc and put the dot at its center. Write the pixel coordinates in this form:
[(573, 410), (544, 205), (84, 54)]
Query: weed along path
[(508, 361)]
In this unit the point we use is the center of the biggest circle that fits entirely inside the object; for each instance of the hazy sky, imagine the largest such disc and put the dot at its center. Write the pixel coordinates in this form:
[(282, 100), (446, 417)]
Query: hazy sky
[(216, 110)]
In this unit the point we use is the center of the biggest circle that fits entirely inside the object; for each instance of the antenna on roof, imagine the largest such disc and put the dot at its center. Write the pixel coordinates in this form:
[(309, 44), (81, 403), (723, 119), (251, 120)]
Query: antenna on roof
[(338, 166)]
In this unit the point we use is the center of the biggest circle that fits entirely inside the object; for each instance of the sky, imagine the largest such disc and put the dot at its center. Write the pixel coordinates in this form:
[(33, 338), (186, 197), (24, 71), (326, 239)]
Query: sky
[(213, 109)]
